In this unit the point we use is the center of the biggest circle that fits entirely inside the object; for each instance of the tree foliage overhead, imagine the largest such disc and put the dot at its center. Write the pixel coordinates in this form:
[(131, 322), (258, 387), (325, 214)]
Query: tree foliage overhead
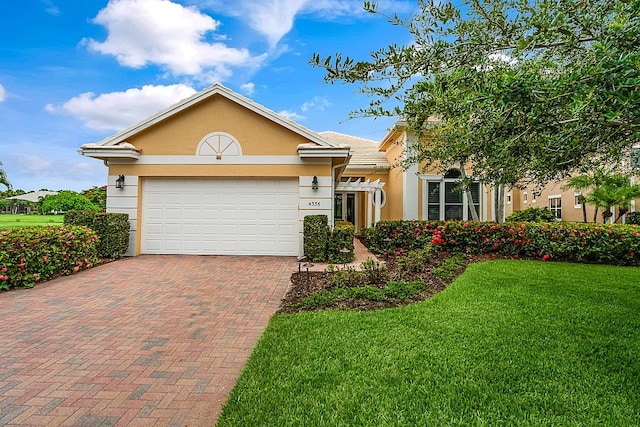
[(523, 90)]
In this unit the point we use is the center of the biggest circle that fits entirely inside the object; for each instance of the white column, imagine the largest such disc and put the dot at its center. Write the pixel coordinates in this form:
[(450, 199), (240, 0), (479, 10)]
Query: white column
[(369, 207), (377, 200)]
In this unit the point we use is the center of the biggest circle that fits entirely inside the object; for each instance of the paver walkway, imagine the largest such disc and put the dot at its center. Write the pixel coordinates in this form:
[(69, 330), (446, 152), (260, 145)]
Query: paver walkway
[(361, 254), (144, 341)]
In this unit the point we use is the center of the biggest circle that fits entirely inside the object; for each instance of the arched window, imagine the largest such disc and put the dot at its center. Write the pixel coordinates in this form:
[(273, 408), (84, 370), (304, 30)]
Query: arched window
[(219, 144)]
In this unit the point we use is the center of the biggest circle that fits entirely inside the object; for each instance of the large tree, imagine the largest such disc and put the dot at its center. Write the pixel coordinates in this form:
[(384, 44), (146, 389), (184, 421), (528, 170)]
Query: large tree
[(522, 91), (3, 178)]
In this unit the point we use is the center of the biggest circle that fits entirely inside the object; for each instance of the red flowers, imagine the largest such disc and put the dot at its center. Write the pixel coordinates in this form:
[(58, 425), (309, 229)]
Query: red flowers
[(546, 257), (4, 278)]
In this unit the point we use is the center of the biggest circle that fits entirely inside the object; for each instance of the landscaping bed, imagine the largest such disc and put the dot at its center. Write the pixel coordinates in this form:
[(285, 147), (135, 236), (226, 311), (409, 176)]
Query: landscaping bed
[(412, 280)]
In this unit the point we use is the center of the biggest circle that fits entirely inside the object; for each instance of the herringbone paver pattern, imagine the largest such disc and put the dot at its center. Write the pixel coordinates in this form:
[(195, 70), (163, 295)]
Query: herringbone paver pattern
[(144, 341)]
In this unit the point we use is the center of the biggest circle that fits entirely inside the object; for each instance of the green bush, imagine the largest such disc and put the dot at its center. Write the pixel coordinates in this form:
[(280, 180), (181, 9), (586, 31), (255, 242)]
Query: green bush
[(633, 218), (32, 255), (112, 230), (532, 215), (416, 259), (563, 241), (316, 234), (400, 290), (341, 238)]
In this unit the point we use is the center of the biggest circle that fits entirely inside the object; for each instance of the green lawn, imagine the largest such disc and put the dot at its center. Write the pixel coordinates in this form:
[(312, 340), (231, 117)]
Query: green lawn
[(509, 343), (15, 221)]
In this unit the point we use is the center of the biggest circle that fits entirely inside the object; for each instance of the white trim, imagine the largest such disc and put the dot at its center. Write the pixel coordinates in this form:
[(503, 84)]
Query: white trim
[(110, 154), (577, 205), (359, 185), (324, 152), (232, 160)]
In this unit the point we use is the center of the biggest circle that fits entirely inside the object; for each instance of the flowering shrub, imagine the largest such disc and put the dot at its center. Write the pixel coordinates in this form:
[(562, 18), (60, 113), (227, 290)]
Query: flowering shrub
[(564, 241), (31, 255)]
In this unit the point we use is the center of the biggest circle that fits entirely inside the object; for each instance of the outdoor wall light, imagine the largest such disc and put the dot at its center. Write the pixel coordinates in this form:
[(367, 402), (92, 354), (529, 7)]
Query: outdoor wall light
[(314, 183), (120, 182)]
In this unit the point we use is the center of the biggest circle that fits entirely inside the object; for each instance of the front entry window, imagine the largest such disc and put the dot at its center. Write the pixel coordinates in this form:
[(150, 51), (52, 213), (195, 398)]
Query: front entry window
[(444, 200)]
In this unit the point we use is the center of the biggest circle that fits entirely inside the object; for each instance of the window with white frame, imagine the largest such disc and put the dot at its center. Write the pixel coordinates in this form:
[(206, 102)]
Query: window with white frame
[(525, 197), (508, 198), (444, 200), (555, 205), (577, 203)]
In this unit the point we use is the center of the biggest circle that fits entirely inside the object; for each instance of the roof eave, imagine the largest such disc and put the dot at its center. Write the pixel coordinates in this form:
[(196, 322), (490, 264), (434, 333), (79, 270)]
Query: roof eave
[(102, 154)]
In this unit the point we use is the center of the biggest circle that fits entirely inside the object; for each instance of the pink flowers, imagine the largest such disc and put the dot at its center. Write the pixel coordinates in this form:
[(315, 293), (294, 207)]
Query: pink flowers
[(546, 257), (4, 278)]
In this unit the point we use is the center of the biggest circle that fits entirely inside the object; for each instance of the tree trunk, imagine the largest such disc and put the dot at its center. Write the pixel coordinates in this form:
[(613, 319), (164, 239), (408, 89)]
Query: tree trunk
[(583, 202), (467, 190), (500, 202)]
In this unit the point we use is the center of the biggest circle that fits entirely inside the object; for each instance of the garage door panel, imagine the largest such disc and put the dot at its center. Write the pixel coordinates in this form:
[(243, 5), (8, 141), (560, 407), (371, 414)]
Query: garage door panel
[(220, 216)]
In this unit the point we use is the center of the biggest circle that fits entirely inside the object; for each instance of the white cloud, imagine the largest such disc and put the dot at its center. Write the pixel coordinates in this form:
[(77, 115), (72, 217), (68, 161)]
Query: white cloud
[(161, 32), (274, 18), (117, 110), (3, 94), (292, 115), (248, 88), (318, 102), (51, 8)]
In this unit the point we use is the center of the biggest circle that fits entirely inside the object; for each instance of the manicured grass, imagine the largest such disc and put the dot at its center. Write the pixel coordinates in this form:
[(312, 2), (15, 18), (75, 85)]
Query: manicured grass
[(508, 343), (14, 221)]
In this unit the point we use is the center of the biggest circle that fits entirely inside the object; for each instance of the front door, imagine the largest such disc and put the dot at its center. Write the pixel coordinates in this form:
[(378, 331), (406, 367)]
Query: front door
[(345, 207)]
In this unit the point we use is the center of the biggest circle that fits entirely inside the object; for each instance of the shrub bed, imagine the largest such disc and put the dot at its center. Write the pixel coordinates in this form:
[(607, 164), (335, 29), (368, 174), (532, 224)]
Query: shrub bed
[(562, 241), (32, 255)]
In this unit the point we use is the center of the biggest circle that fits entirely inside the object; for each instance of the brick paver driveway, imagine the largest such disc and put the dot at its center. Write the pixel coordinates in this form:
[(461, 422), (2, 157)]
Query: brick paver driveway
[(150, 340)]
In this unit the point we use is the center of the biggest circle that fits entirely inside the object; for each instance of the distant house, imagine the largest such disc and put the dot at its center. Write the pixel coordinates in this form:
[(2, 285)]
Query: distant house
[(17, 205)]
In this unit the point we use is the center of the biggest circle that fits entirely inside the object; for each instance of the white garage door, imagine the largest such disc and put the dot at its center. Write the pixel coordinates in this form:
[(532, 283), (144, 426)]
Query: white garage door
[(220, 216)]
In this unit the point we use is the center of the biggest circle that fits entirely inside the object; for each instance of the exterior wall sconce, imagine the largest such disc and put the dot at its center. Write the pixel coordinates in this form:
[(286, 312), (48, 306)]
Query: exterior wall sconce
[(120, 182), (314, 183)]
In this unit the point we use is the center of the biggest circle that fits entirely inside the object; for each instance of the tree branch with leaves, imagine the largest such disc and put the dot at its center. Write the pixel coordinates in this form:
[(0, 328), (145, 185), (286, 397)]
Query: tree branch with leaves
[(524, 91)]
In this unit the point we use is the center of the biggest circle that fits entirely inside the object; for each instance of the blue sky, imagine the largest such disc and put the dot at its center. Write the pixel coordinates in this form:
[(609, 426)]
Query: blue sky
[(73, 72)]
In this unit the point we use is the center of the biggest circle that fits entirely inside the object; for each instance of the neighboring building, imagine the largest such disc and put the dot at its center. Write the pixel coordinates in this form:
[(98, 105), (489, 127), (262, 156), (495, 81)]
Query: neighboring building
[(16, 204)]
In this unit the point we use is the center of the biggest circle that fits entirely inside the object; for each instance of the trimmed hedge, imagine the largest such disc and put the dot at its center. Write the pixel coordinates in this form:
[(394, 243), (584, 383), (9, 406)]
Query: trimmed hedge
[(112, 230), (322, 244), (34, 254), (316, 232), (563, 241), (341, 238)]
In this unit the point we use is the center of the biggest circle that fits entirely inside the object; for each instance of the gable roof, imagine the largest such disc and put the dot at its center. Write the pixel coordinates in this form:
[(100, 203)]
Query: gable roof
[(364, 152), (215, 89)]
